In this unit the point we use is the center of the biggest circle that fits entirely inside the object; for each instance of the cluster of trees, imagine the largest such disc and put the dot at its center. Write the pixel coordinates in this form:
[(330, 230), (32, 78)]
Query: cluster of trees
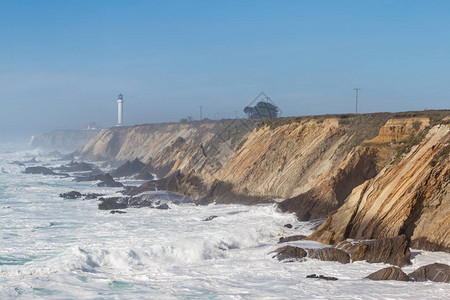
[(186, 120), (262, 110)]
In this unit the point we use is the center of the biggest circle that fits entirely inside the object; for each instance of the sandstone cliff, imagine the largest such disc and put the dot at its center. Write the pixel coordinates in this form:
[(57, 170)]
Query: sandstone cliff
[(409, 197), (381, 174)]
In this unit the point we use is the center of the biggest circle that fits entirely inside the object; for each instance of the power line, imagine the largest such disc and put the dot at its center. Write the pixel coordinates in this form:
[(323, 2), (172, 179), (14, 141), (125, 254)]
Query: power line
[(201, 112), (356, 107)]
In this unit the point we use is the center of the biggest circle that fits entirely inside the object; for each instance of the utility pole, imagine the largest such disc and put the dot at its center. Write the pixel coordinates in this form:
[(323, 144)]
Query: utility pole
[(201, 112), (356, 108)]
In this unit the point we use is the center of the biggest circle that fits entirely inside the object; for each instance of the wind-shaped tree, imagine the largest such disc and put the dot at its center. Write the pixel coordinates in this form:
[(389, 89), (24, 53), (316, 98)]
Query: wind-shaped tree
[(262, 110)]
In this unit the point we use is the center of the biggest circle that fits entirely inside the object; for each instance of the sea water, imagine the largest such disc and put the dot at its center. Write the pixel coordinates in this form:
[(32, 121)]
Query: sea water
[(53, 248)]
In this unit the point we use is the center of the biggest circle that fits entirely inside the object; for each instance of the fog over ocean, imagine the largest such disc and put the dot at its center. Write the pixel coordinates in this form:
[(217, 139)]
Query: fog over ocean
[(53, 248)]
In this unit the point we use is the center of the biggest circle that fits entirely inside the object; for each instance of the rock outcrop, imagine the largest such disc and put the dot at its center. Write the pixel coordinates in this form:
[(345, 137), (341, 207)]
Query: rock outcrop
[(330, 254), (435, 272), (291, 238), (389, 273), (129, 168), (290, 253), (329, 278), (71, 195), (393, 251), (43, 170), (39, 170)]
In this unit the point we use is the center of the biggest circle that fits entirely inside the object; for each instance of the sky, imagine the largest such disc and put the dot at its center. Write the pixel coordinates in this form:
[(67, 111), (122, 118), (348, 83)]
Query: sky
[(63, 63)]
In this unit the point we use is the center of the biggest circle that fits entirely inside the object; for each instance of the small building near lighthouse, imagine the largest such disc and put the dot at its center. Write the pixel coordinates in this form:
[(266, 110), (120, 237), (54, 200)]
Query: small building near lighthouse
[(120, 110)]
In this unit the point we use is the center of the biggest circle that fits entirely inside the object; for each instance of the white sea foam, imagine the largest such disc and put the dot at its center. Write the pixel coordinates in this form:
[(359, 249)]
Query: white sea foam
[(54, 248)]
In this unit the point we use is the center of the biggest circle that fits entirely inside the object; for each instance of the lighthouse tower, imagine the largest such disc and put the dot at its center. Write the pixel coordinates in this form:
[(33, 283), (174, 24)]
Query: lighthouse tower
[(119, 110)]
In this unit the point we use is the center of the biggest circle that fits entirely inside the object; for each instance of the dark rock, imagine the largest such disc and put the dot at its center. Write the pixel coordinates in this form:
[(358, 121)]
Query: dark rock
[(19, 163), (329, 254), (70, 195), (435, 272), (117, 212), (390, 273), (394, 251), (77, 167), (111, 203), (95, 177), (92, 196), (163, 206), (322, 277), (144, 200), (210, 218), (109, 184), (129, 168), (39, 170), (291, 238), (288, 226), (289, 253), (152, 185), (144, 175), (106, 180)]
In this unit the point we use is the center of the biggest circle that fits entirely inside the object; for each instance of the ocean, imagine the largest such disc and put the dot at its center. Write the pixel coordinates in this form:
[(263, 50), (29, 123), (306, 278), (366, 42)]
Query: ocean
[(53, 248)]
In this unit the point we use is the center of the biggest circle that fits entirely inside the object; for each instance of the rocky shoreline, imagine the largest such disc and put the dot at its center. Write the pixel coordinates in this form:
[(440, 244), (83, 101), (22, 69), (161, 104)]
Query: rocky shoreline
[(394, 251)]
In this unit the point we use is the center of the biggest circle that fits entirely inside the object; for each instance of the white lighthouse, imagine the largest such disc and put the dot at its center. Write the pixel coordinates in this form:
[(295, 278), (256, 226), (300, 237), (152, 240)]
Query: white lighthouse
[(119, 110)]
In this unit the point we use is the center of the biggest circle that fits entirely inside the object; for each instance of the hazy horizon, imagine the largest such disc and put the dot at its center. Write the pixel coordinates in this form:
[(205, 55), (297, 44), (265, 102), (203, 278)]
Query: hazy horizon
[(63, 64)]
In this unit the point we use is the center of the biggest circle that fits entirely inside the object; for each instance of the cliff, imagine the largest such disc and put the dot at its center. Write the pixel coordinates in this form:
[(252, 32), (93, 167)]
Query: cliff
[(68, 140), (411, 197), (372, 175)]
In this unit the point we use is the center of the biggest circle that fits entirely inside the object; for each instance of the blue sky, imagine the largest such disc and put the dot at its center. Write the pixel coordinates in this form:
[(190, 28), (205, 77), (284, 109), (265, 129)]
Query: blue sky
[(63, 63)]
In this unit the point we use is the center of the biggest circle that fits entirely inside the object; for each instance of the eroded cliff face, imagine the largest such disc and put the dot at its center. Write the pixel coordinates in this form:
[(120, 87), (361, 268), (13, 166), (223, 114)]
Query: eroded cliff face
[(410, 197), (378, 175)]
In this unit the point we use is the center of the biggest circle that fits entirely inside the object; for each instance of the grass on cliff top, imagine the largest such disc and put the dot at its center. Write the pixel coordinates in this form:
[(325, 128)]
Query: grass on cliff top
[(360, 127), (363, 127), (435, 116)]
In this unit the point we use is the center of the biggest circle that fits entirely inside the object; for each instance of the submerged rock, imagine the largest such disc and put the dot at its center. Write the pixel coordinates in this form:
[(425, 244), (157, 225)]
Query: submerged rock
[(209, 218), (106, 180), (77, 167), (117, 212), (90, 196), (390, 273), (163, 206), (39, 170), (435, 272), (288, 226), (394, 251), (109, 184), (290, 253), (291, 238), (71, 195), (322, 277), (330, 254), (42, 170)]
